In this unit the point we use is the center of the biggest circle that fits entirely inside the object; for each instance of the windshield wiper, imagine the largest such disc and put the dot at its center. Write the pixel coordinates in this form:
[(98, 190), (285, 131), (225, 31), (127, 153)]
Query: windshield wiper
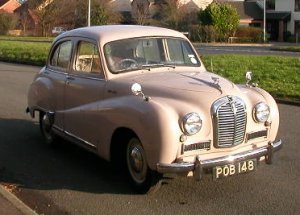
[(146, 66), (156, 65)]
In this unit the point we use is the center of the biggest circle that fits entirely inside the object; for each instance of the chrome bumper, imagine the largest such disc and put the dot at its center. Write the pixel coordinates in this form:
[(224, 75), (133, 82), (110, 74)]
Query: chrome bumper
[(198, 166)]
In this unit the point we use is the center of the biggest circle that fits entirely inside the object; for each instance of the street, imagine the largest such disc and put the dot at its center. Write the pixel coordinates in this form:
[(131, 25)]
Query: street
[(206, 49), (68, 180)]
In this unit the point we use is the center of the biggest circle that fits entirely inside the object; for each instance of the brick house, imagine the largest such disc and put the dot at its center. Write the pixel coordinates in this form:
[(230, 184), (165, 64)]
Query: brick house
[(28, 22), (8, 6), (149, 7)]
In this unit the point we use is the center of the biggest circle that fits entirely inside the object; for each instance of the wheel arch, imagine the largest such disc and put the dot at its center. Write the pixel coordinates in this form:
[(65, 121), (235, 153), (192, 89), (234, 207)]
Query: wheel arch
[(118, 143)]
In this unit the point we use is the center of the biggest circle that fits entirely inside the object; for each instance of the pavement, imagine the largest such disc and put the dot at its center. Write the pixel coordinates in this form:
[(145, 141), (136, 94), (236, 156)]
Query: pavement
[(11, 205)]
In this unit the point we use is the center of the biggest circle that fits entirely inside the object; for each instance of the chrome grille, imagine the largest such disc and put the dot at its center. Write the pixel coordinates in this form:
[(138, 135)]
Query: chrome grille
[(229, 116)]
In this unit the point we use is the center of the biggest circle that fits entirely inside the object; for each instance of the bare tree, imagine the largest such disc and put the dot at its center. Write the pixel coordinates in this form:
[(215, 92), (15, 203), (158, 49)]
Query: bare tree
[(173, 12), (140, 11)]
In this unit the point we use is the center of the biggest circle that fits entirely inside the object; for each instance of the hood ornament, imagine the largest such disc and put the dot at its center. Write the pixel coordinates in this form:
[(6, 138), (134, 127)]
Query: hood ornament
[(216, 81)]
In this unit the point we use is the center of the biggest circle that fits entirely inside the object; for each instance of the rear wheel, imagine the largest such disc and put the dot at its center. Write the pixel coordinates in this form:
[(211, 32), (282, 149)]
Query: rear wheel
[(46, 123), (142, 178)]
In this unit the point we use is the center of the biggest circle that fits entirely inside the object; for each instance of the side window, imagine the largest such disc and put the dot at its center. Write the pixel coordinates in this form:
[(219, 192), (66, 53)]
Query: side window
[(62, 55), (87, 59)]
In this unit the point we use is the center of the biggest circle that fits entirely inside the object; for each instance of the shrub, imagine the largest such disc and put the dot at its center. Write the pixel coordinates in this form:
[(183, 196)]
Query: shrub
[(223, 17), (202, 33), (7, 22), (249, 34)]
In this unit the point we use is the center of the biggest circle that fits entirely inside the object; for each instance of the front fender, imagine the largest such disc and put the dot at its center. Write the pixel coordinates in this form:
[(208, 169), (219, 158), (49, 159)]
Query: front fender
[(155, 124), (256, 95)]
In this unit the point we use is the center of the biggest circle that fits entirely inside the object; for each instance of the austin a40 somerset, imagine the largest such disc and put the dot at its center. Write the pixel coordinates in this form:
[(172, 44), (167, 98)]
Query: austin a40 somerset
[(141, 97)]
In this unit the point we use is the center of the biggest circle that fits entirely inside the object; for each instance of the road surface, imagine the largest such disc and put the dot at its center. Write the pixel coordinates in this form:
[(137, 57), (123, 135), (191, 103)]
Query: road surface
[(69, 180)]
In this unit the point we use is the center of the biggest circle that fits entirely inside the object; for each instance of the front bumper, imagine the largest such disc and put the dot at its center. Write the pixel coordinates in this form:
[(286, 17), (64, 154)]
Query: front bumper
[(199, 165)]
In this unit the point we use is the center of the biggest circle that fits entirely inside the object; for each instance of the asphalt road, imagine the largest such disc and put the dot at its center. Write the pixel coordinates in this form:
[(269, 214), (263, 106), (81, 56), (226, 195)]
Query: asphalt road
[(207, 49), (69, 180)]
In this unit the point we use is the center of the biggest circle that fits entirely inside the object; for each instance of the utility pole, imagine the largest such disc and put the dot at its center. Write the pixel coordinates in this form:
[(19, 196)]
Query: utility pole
[(264, 21), (89, 14)]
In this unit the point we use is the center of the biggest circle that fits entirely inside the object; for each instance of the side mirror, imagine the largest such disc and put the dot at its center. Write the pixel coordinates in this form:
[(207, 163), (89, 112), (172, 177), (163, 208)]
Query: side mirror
[(248, 76), (136, 89)]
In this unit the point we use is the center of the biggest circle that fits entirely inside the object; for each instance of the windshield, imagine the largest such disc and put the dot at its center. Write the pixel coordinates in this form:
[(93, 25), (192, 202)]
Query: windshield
[(138, 53)]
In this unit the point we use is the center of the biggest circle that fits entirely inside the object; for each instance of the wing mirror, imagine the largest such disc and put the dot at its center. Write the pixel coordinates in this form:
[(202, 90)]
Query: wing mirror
[(137, 90), (249, 76)]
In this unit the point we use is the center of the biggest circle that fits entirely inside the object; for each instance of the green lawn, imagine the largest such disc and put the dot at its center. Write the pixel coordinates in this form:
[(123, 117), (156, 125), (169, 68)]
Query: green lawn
[(30, 39), (34, 53), (276, 74), (287, 48)]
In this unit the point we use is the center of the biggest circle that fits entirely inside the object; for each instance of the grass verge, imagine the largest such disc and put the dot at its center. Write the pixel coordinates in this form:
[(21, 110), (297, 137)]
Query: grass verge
[(278, 75), (286, 48), (32, 53), (26, 39)]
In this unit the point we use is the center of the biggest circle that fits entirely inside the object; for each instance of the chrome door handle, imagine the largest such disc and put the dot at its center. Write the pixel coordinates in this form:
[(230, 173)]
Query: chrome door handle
[(69, 79)]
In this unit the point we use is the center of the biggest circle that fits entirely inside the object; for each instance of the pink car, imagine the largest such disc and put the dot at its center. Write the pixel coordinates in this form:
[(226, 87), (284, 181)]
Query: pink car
[(141, 97)]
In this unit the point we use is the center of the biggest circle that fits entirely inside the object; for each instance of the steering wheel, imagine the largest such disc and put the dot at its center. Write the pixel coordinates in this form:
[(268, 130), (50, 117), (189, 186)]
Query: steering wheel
[(127, 63)]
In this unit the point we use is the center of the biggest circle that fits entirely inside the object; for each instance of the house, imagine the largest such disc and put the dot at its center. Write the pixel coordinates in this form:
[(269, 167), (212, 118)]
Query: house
[(8, 6), (282, 17), (286, 18), (196, 4), (249, 11), (148, 8), (28, 22)]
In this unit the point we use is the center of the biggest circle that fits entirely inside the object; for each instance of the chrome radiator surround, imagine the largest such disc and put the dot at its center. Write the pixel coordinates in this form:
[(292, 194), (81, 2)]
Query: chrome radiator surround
[(229, 117)]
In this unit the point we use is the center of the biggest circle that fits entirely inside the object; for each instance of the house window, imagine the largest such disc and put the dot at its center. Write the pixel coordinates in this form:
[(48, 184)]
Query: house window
[(297, 28), (297, 5), (270, 4)]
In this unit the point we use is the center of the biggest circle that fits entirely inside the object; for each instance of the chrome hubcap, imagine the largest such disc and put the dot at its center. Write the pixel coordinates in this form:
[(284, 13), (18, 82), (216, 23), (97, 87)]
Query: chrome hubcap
[(136, 159)]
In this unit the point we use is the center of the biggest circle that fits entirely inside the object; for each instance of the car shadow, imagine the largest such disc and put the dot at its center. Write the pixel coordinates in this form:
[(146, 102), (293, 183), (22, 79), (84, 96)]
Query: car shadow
[(28, 162)]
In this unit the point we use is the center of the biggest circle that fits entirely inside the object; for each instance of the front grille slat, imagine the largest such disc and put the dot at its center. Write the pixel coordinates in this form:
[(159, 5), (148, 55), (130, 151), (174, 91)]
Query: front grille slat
[(230, 118)]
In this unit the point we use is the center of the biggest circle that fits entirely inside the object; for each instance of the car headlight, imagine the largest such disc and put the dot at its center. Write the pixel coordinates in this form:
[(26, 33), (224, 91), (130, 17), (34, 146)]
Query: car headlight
[(261, 112), (192, 123)]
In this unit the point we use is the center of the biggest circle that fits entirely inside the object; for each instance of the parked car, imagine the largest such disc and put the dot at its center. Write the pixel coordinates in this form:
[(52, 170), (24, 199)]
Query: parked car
[(141, 97), (58, 30)]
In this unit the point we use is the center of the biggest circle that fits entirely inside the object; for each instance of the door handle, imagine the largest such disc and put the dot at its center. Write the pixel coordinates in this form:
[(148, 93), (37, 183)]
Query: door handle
[(69, 79)]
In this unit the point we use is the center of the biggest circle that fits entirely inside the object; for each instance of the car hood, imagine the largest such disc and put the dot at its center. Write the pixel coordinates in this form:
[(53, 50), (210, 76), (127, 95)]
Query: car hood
[(185, 81)]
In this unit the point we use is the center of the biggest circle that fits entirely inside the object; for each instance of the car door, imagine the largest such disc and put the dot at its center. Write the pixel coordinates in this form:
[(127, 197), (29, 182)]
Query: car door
[(85, 85), (56, 72)]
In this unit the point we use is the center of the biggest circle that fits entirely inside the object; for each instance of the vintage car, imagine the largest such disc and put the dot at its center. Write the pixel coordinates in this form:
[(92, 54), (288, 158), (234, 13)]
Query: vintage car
[(141, 97)]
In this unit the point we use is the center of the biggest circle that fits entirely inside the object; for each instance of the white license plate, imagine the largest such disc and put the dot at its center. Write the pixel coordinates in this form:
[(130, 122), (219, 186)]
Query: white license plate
[(234, 169)]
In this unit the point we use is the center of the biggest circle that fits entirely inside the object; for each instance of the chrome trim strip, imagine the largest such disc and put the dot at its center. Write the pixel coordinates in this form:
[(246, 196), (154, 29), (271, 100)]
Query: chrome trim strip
[(74, 136), (205, 164), (81, 140)]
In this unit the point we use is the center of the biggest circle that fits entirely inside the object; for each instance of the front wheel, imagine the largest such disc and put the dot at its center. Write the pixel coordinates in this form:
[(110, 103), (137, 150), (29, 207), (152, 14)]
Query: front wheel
[(46, 122), (142, 178)]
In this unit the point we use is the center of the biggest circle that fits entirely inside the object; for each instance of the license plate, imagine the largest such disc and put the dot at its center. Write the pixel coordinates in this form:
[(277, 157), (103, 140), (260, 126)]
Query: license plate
[(234, 169)]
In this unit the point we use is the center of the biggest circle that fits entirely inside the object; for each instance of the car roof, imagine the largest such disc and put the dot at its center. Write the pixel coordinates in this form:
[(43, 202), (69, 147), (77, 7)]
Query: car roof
[(107, 33)]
